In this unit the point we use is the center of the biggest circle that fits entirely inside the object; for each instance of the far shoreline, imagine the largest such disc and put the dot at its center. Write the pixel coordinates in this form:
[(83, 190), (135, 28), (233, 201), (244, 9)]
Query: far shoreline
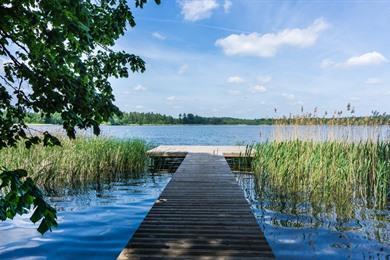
[(43, 124)]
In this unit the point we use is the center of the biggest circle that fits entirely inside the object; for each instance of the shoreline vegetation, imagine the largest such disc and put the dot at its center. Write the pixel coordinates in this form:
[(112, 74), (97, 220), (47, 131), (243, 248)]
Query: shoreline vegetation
[(326, 173), (336, 185), (322, 171), (77, 162), (139, 118), (329, 172), (332, 182)]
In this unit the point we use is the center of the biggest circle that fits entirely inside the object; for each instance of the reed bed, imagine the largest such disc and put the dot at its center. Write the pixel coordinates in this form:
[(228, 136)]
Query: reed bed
[(340, 126), (327, 172), (79, 161), (334, 168)]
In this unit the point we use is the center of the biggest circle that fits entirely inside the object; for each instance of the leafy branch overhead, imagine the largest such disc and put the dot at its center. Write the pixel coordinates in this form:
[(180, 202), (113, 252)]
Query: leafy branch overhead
[(21, 194), (57, 57)]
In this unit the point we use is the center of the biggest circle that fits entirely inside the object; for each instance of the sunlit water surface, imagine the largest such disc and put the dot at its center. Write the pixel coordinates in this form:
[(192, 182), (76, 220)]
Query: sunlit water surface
[(97, 224), (234, 134), (92, 224), (295, 230)]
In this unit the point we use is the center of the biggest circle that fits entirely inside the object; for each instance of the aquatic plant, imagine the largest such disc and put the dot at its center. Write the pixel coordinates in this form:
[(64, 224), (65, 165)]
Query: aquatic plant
[(342, 126), (334, 168), (243, 162), (328, 174), (79, 161)]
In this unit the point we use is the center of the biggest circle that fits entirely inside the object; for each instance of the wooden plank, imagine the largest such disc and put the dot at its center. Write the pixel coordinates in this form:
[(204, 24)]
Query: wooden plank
[(182, 150), (202, 213)]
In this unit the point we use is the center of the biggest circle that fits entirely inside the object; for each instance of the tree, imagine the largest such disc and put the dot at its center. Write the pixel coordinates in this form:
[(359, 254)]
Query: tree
[(190, 118), (58, 59), (184, 118)]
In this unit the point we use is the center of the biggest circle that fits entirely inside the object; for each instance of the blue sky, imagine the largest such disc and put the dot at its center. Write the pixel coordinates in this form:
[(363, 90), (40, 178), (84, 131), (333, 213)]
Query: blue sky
[(244, 58)]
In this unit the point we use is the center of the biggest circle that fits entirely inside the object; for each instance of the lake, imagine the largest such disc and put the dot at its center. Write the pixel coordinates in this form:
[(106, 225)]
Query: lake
[(234, 134), (295, 230), (97, 223), (93, 224)]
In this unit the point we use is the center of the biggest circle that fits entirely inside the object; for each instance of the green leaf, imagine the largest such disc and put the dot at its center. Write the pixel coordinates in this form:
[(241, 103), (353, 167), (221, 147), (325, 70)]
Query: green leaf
[(37, 215), (19, 194), (28, 144), (67, 77), (44, 226)]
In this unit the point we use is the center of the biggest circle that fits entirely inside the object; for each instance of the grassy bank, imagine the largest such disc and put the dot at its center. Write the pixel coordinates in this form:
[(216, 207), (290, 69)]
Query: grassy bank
[(326, 174), (80, 161)]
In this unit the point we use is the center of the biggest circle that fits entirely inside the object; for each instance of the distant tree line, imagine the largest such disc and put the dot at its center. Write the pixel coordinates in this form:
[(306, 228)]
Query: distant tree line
[(37, 118), (183, 119), (138, 118)]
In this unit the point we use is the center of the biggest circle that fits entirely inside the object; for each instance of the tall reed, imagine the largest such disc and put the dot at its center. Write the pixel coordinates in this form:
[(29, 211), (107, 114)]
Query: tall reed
[(332, 163), (340, 126), (327, 172), (79, 161)]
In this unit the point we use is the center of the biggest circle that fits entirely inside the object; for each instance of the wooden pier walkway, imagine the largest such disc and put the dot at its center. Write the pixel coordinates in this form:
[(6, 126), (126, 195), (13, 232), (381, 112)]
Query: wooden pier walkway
[(182, 150), (201, 214)]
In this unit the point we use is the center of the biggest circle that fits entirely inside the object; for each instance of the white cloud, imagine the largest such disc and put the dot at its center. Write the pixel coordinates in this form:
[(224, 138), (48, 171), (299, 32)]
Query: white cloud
[(235, 80), (374, 81), (227, 5), (288, 96), (258, 89), (194, 10), (234, 92), (139, 106), (366, 59), (267, 45), (182, 69), (370, 58), (159, 36), (139, 87), (171, 98)]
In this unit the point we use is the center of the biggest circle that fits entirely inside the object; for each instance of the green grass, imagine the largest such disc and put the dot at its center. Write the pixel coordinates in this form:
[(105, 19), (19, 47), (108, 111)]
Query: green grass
[(326, 173), (80, 161)]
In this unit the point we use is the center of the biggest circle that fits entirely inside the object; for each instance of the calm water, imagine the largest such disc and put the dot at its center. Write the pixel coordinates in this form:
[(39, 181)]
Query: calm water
[(294, 230), (92, 225), (97, 224), (234, 134)]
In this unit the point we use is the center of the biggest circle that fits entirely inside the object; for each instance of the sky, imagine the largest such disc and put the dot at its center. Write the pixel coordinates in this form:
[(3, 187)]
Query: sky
[(244, 58)]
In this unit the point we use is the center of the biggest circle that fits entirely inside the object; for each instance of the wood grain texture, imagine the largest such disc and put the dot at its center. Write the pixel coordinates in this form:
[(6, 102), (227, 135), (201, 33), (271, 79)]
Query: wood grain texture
[(182, 150), (201, 214)]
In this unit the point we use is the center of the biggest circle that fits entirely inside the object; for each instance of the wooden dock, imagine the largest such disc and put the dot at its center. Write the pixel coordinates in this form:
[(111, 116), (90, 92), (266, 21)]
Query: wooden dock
[(182, 150), (201, 214)]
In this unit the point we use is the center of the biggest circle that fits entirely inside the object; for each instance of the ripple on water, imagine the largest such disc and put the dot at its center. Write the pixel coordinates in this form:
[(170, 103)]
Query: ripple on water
[(94, 225), (306, 236)]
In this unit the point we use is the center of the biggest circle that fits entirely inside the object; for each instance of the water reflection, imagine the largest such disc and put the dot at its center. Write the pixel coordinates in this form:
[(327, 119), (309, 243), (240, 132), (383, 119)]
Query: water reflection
[(296, 226), (93, 223)]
